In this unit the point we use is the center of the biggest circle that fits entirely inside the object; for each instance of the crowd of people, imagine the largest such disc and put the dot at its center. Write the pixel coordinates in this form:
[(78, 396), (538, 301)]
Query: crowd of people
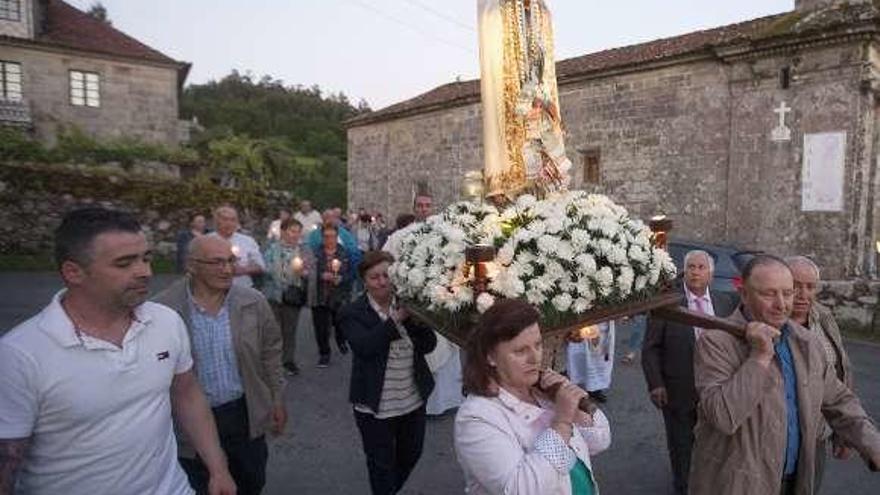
[(104, 391)]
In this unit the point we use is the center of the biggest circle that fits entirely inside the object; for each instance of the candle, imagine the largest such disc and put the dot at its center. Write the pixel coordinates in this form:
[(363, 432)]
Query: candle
[(236, 251), (335, 265), (589, 332), (297, 264)]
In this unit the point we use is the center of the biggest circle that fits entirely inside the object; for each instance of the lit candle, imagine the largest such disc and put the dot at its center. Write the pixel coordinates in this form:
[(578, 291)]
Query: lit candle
[(335, 265), (236, 251), (589, 332), (297, 264)]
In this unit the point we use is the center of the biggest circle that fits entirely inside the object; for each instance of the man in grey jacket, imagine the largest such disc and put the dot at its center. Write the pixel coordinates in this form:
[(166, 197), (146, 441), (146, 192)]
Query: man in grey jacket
[(236, 345)]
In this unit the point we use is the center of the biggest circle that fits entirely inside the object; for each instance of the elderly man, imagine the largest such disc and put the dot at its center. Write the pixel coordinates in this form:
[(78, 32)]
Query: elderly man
[(236, 345), (89, 385), (668, 362), (246, 250), (762, 398), (308, 217), (817, 318)]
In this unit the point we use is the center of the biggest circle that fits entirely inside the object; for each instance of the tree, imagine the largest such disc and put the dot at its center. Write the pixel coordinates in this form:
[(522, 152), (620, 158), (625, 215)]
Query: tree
[(295, 133), (99, 12)]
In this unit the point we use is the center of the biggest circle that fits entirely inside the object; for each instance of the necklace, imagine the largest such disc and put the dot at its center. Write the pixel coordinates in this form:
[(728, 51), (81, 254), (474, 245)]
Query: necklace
[(80, 324)]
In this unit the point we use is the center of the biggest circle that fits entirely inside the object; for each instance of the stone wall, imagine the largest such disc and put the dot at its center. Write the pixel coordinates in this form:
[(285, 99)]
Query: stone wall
[(387, 160), (691, 140), (137, 100), (854, 303), (34, 198), (22, 28)]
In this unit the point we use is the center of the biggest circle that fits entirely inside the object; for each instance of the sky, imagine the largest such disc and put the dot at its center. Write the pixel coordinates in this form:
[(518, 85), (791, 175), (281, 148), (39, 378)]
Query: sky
[(386, 51)]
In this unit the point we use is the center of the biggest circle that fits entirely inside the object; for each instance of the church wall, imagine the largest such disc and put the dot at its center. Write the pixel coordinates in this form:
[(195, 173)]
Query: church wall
[(765, 176), (386, 160), (692, 141), (662, 136)]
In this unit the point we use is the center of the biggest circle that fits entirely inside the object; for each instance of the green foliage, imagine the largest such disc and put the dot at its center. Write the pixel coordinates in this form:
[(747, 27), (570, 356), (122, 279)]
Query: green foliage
[(296, 132), (78, 147), (16, 145)]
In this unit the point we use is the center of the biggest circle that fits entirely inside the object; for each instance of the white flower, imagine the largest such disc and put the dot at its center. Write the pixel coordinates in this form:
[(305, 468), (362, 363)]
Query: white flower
[(562, 302), (604, 277), (525, 201), (416, 277), (484, 302)]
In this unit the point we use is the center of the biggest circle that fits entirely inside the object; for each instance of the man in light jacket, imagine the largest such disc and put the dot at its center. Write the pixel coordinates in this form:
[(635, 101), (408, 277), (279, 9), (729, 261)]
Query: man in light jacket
[(762, 399), (236, 346)]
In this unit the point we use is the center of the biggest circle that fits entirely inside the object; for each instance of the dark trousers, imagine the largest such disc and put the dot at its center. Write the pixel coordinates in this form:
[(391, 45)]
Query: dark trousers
[(392, 447), (324, 319), (288, 318), (680, 441), (246, 457)]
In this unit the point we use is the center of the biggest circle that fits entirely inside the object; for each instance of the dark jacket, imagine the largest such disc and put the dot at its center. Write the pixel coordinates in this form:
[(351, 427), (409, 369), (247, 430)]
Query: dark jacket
[(370, 340), (668, 353)]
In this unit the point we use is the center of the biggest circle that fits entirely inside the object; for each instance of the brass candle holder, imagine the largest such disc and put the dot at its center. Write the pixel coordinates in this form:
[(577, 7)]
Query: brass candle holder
[(477, 259), (660, 226)]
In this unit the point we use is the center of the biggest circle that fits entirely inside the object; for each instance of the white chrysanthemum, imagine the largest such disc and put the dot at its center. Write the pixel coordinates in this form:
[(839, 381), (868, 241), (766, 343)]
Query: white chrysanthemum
[(525, 201), (484, 302), (562, 302), (416, 277)]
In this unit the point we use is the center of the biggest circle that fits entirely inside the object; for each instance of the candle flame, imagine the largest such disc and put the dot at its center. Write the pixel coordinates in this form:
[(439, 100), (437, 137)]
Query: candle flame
[(236, 250), (296, 263), (589, 332)]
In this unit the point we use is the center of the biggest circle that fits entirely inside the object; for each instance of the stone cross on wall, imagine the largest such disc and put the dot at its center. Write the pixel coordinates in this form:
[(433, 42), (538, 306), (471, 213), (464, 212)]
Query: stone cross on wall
[(781, 132)]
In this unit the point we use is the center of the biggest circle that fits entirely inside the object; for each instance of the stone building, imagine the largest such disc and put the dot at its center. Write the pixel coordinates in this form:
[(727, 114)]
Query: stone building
[(62, 67), (761, 134)]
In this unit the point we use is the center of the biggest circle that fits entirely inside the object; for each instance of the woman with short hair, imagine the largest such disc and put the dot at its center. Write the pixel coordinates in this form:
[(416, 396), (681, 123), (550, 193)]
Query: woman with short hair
[(390, 380), (510, 437)]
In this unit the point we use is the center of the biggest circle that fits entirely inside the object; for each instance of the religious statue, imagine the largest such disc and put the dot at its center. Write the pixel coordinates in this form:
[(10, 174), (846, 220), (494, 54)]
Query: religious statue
[(523, 133)]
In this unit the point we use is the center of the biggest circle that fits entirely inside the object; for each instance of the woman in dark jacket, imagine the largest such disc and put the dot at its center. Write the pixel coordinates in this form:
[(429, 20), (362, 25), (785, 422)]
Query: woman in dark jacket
[(335, 277), (390, 380)]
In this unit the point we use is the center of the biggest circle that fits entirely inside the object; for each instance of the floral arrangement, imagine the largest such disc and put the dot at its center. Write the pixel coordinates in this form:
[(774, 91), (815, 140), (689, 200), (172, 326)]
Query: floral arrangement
[(565, 254)]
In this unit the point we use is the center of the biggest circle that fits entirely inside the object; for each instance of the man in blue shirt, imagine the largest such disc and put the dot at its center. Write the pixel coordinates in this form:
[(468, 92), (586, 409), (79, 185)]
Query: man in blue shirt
[(762, 398)]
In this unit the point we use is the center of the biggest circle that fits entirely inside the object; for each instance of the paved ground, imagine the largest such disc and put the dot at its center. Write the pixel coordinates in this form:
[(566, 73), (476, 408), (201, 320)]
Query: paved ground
[(321, 453)]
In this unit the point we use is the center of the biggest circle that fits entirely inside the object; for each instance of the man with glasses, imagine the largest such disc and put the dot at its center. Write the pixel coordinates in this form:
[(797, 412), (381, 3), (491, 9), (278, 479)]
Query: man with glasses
[(236, 345)]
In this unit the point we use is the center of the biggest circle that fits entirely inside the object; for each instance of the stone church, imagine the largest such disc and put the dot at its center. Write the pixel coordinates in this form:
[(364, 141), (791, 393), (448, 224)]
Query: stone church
[(761, 134)]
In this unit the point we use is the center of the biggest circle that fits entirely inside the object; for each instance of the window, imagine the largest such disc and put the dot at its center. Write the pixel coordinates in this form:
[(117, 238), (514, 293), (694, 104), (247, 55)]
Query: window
[(591, 160), (10, 81), (85, 89), (785, 78), (10, 10)]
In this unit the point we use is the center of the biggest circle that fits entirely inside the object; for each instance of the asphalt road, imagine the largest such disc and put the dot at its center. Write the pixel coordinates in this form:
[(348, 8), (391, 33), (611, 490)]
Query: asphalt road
[(321, 451)]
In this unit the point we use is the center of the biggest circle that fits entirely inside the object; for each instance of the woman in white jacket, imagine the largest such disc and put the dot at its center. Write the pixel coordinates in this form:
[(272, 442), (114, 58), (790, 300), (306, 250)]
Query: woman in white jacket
[(511, 438)]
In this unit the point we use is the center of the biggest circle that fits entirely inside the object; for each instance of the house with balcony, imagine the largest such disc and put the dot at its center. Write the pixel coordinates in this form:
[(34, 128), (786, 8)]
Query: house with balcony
[(62, 68)]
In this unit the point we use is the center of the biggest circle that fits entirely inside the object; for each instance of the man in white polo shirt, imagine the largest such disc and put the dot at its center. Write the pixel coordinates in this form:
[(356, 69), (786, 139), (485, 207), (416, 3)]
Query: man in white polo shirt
[(89, 385)]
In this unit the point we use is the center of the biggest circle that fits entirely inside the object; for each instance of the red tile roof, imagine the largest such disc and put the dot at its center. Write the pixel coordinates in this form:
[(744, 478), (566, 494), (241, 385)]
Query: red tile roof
[(72, 28), (696, 43), (68, 27)]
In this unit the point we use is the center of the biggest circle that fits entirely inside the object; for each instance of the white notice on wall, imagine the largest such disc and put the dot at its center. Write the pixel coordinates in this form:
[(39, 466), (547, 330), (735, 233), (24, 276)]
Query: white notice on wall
[(824, 158)]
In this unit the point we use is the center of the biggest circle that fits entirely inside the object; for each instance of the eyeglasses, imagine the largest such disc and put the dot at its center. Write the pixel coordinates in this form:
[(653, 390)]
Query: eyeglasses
[(218, 262)]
